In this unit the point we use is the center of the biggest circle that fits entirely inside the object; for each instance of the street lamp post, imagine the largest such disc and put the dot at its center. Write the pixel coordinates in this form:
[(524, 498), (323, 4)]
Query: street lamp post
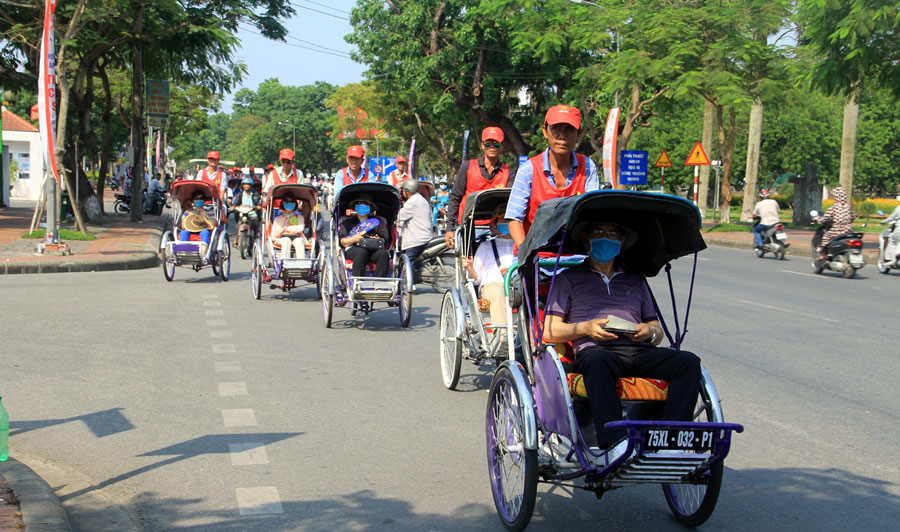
[(294, 132)]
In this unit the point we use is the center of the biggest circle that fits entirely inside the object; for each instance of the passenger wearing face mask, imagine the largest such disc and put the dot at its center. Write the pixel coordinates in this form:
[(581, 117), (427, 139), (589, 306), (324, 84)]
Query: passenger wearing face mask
[(288, 228), (368, 246), (197, 220), (439, 201), (491, 261), (577, 311)]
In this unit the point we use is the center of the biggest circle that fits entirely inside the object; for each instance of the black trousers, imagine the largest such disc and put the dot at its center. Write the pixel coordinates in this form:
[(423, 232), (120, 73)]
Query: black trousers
[(413, 253), (602, 369), (361, 257)]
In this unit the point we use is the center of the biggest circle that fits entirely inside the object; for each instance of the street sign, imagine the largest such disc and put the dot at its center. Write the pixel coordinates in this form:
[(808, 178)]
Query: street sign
[(157, 103), (633, 167), (663, 160), (697, 157)]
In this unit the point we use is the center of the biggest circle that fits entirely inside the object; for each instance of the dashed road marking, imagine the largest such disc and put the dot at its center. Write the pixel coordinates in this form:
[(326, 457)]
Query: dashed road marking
[(239, 417), (703, 258), (250, 453), (228, 367), (804, 273), (214, 313), (223, 348), (227, 389), (770, 307), (216, 323), (256, 501), (212, 304), (220, 334)]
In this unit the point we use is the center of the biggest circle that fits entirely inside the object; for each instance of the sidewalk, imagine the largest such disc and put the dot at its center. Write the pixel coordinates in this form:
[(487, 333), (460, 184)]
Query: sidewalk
[(120, 244), (40, 508)]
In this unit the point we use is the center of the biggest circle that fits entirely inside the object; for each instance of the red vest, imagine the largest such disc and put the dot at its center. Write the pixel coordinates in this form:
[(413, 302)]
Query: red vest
[(216, 180), (476, 182), (364, 176), (396, 178), (278, 180), (542, 190)]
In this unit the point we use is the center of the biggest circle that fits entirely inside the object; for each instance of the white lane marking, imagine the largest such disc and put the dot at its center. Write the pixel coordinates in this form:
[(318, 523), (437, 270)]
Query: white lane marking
[(702, 258), (212, 304), (215, 312), (770, 307), (250, 453), (804, 273), (210, 296), (223, 348), (216, 323), (239, 417), (220, 334), (256, 501), (228, 367), (227, 389)]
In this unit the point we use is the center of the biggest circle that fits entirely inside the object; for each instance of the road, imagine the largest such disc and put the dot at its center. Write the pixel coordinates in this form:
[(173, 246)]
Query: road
[(194, 406)]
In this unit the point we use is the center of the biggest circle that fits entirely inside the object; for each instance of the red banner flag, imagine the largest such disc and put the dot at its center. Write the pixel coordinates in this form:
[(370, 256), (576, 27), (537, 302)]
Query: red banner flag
[(610, 137), (47, 91)]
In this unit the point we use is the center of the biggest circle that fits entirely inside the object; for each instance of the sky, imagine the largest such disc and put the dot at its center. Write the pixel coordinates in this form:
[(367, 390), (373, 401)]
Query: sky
[(317, 25)]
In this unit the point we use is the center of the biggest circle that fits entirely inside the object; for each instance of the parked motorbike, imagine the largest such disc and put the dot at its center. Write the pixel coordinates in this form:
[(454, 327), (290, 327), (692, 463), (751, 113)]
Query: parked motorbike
[(843, 254), (774, 240), (884, 240), (154, 204), (437, 265), (122, 203), (246, 234)]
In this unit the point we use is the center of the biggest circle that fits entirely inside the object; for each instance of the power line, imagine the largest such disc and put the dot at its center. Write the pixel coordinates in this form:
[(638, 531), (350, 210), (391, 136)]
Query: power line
[(326, 6), (317, 45), (318, 11), (338, 54)]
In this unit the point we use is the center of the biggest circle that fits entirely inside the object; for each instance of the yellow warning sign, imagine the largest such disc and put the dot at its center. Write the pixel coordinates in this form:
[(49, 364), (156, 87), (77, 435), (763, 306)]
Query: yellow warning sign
[(663, 161), (697, 157)]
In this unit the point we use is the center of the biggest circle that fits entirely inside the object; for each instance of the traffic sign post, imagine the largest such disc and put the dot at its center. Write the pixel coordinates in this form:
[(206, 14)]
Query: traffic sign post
[(633, 167), (697, 158), (663, 162)]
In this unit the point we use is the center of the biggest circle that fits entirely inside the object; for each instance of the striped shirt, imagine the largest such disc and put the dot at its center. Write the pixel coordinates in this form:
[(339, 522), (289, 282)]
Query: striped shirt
[(517, 207)]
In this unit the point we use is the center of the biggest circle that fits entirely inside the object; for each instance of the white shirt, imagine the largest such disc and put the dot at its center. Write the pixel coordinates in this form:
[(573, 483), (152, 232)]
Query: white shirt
[(767, 210), (485, 264), (414, 222)]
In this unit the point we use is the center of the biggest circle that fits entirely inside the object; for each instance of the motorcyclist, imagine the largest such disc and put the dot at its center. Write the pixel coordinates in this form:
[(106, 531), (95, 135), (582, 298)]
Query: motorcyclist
[(439, 201), (841, 217), (248, 197), (767, 210), (890, 254)]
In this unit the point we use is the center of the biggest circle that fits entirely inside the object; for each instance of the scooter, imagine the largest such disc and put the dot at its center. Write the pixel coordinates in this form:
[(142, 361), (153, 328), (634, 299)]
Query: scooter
[(245, 233), (843, 254), (883, 242), (774, 240)]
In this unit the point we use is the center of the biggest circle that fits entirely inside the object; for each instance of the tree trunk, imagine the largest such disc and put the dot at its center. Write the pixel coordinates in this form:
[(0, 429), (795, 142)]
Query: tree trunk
[(753, 143), (83, 99), (63, 93), (848, 142), (726, 141), (709, 113), (106, 117), (137, 108)]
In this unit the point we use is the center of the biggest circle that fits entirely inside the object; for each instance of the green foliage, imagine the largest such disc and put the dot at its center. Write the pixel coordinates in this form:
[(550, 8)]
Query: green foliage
[(64, 234), (728, 228)]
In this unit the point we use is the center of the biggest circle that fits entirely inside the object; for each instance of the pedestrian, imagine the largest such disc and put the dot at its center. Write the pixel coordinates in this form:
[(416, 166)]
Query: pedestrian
[(399, 174), (565, 173), (477, 174), (414, 224)]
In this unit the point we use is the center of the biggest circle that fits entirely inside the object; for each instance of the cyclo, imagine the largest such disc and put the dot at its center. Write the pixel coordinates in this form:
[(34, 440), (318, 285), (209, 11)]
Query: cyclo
[(339, 287), (533, 423), (464, 331), (272, 264), (189, 253)]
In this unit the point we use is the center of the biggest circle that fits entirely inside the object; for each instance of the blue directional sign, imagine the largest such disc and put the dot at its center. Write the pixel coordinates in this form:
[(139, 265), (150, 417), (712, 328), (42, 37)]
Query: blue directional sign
[(382, 166), (633, 167)]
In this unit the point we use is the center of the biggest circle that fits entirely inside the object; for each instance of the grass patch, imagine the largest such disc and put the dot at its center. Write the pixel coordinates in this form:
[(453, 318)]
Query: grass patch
[(728, 228), (64, 234)]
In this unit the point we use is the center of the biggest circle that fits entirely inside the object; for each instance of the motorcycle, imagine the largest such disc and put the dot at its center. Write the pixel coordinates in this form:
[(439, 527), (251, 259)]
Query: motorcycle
[(843, 254), (883, 242), (154, 205), (774, 240), (246, 234), (437, 265)]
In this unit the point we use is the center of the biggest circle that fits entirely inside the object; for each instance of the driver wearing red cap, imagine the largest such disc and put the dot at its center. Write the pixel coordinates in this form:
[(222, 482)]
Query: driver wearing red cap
[(478, 174), (400, 174), (212, 173), (557, 172), (284, 174), (354, 171)]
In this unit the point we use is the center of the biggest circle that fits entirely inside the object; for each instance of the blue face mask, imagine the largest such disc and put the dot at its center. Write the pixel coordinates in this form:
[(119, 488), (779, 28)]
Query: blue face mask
[(363, 209), (443, 187), (503, 229), (605, 249), (289, 206), (199, 202)]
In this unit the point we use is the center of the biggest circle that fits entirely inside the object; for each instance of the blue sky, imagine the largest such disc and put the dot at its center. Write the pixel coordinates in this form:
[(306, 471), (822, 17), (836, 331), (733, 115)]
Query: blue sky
[(318, 24)]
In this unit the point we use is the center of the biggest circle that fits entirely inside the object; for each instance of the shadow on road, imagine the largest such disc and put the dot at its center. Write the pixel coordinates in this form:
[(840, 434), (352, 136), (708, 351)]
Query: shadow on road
[(102, 423)]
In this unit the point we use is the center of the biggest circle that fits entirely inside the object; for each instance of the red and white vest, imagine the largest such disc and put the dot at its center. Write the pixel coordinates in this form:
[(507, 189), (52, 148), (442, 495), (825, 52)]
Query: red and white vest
[(203, 175), (278, 180), (363, 177), (397, 178), (476, 182), (542, 190)]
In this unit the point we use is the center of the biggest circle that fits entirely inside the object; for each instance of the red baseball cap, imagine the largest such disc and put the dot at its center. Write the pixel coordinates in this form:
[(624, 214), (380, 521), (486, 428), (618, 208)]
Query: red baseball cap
[(401, 159), (286, 153), (356, 151), (563, 114), (212, 155), (271, 166), (492, 133)]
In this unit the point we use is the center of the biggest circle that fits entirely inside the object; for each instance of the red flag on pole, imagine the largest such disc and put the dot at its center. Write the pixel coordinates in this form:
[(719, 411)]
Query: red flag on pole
[(610, 137), (47, 91)]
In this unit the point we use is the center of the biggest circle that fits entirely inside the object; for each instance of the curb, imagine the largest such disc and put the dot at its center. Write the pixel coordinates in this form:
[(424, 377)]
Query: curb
[(148, 258), (41, 508), (802, 251)]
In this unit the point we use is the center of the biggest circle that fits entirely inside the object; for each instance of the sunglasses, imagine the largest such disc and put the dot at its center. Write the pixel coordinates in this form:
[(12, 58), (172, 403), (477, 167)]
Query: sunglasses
[(491, 144)]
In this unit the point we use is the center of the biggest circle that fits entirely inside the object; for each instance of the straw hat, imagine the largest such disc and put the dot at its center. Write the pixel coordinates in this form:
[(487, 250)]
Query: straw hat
[(196, 222)]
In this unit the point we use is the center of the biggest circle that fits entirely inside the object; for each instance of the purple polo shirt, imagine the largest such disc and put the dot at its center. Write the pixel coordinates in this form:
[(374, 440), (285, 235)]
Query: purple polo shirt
[(581, 294)]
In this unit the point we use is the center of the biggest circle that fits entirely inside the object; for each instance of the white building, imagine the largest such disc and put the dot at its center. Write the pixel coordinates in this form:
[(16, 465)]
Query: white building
[(23, 142)]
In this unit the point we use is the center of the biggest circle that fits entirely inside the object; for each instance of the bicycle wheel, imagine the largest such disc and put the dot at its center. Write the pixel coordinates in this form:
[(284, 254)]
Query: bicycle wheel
[(406, 295), (451, 347), (168, 262), (328, 295), (513, 468), (256, 272), (225, 258)]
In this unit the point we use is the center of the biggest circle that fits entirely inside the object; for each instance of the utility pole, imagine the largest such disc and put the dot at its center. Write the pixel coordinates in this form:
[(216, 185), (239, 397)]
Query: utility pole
[(137, 107)]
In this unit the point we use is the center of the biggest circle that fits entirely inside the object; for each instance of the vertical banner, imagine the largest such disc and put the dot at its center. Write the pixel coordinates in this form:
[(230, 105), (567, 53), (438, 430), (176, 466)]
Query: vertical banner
[(465, 143), (47, 91), (609, 147), (410, 162)]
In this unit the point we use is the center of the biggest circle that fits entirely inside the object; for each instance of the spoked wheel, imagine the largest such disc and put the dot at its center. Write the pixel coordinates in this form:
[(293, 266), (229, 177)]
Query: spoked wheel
[(319, 271), (168, 262), (225, 258), (440, 272), (693, 504), (328, 295), (451, 347), (405, 290), (256, 273), (513, 468), (849, 271)]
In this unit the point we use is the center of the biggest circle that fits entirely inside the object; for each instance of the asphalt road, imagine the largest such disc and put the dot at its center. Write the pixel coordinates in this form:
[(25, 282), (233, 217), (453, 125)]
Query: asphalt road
[(194, 406)]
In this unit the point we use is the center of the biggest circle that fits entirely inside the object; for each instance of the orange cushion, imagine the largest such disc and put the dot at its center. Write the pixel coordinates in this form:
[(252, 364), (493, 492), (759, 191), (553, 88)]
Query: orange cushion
[(630, 388)]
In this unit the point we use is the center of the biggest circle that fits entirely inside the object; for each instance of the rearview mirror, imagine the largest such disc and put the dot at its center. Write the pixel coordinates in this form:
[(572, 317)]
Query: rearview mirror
[(880, 212), (813, 212)]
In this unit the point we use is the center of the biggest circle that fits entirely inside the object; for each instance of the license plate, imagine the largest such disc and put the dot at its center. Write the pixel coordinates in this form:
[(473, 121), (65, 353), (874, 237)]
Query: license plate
[(681, 439), (856, 259), (781, 236)]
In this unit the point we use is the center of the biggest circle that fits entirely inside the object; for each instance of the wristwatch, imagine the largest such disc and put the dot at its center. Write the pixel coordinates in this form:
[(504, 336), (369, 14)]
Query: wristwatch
[(654, 335)]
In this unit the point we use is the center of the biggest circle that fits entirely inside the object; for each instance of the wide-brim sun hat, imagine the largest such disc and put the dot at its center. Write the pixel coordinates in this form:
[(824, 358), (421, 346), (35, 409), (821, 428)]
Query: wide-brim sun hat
[(629, 240), (197, 222)]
